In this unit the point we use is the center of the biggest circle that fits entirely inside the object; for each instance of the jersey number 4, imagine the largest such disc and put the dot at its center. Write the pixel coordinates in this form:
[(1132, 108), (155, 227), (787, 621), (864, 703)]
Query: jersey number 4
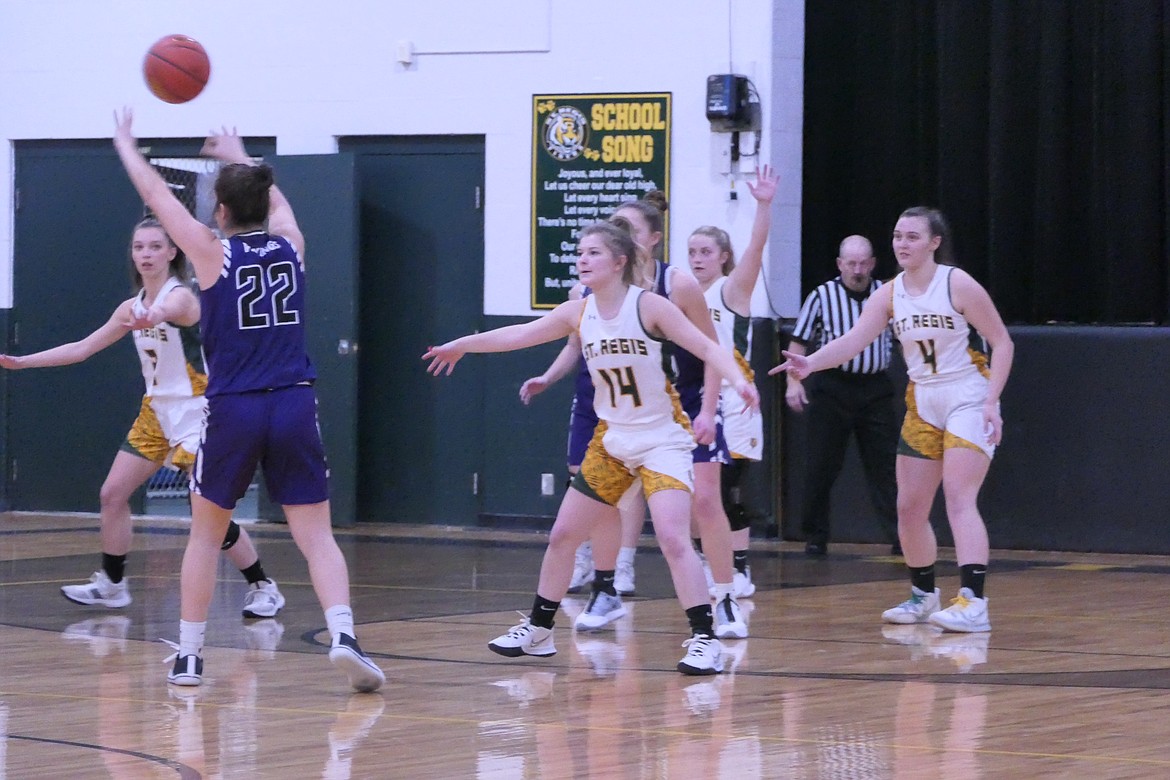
[(928, 356), (619, 385), (279, 283)]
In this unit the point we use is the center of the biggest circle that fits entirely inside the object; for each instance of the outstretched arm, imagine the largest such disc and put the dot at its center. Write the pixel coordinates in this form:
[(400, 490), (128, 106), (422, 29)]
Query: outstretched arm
[(737, 291), (663, 317), (191, 235), (875, 317), (115, 328), (557, 324)]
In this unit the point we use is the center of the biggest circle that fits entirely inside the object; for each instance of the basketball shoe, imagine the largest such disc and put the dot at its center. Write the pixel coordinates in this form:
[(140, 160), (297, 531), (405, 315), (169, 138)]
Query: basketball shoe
[(729, 622), (965, 614), (364, 675), (742, 585), (916, 609), (263, 600), (704, 656), (99, 591), (623, 578), (603, 609), (582, 567), (524, 639)]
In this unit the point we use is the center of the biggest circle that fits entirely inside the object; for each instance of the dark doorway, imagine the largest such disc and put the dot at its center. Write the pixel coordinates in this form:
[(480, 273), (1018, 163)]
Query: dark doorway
[(420, 438)]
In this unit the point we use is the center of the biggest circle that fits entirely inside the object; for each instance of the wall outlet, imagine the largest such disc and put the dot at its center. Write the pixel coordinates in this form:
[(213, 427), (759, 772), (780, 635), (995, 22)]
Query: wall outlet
[(547, 486)]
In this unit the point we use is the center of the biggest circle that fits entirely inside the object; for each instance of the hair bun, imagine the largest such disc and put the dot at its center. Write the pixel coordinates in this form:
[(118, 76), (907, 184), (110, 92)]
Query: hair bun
[(264, 175), (657, 199)]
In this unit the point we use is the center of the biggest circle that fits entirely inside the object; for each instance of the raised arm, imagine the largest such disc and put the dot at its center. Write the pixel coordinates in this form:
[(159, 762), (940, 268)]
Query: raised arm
[(191, 235), (227, 146), (117, 326), (737, 290), (557, 324)]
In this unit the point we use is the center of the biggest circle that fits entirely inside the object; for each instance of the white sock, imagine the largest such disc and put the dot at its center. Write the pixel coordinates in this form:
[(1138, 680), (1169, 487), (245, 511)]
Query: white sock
[(722, 591), (339, 619), (626, 555), (191, 637)]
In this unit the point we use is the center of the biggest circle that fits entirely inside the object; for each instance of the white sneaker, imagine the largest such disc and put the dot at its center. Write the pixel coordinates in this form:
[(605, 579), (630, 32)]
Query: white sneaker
[(364, 675), (582, 568), (524, 639), (966, 614), (623, 578), (916, 609), (704, 656), (729, 622), (602, 610), (104, 635), (965, 650), (742, 585), (263, 600), (100, 591)]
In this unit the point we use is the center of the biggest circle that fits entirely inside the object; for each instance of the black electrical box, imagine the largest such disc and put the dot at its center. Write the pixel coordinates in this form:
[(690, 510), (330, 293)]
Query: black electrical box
[(727, 102)]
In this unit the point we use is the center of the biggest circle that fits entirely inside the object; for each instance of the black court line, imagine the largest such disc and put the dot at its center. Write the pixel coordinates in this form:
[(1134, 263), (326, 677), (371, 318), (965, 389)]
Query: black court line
[(185, 772)]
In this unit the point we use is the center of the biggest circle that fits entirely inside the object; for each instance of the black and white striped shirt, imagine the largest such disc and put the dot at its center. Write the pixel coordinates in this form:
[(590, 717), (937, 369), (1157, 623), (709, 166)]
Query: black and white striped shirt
[(828, 312)]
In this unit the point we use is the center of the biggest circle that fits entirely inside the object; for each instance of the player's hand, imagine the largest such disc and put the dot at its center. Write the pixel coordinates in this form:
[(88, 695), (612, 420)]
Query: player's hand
[(763, 189), (750, 395), (10, 361), (123, 128), (795, 396), (225, 145), (992, 423), (704, 428), (796, 365), (532, 388), (140, 320), (444, 356)]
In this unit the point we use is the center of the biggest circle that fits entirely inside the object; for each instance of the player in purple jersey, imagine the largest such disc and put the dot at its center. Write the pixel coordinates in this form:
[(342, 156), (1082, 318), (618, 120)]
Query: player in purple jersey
[(261, 403)]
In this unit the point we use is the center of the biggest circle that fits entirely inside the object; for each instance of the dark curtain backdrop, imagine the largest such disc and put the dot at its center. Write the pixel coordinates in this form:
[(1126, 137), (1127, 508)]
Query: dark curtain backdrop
[(1038, 127)]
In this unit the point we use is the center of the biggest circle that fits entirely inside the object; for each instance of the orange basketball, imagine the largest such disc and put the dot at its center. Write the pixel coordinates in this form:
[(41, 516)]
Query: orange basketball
[(176, 68)]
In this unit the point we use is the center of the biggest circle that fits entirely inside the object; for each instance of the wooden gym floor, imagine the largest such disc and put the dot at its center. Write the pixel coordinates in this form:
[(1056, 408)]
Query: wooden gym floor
[(1071, 683)]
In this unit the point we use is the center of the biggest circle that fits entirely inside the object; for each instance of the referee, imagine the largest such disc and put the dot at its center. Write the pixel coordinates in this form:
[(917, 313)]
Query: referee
[(857, 397)]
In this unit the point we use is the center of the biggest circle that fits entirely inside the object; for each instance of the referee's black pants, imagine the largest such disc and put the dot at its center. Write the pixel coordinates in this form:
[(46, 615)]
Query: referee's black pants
[(841, 404)]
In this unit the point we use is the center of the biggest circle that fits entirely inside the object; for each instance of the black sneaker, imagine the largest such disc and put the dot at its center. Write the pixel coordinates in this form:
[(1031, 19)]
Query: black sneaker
[(364, 675), (188, 670)]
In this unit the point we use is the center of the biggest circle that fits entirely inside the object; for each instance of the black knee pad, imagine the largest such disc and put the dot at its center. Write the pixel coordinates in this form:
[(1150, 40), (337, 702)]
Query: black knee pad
[(231, 537), (737, 516)]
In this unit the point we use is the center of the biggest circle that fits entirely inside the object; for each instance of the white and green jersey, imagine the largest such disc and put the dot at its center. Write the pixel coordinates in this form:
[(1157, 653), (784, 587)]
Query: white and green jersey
[(171, 355)]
